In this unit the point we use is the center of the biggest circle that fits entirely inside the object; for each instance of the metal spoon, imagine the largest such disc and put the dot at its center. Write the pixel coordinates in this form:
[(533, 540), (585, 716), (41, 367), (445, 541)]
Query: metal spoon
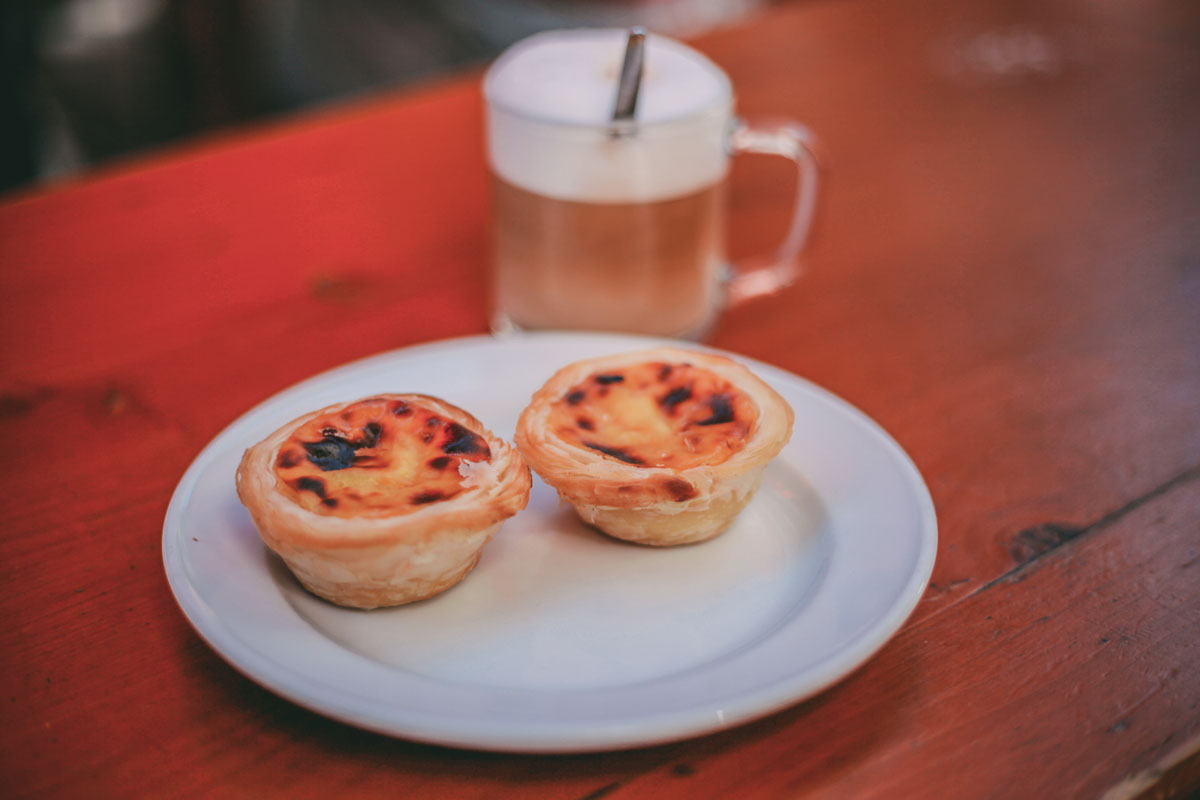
[(629, 82)]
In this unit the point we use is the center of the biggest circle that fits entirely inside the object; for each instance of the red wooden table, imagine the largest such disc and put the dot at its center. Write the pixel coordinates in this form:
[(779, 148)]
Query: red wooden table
[(1006, 275)]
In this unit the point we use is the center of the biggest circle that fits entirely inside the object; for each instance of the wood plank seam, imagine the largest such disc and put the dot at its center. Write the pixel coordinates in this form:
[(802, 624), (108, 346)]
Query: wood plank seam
[(1147, 783), (603, 791), (1053, 536)]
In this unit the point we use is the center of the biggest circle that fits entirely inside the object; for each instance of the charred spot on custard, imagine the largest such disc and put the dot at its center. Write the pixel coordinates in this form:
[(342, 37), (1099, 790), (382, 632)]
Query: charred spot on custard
[(607, 378), (401, 408), (665, 371), (424, 498), (615, 452), (465, 442), (441, 462), (289, 459), (331, 453), (314, 485), (370, 435), (586, 424), (722, 410), (674, 397), (576, 397)]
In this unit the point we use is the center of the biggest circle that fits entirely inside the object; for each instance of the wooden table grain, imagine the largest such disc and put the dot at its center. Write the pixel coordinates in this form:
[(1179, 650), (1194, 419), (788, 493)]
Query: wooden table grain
[(1005, 274)]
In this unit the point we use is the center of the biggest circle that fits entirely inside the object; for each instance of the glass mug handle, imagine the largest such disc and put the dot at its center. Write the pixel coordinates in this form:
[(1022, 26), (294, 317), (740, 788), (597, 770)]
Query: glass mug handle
[(796, 143)]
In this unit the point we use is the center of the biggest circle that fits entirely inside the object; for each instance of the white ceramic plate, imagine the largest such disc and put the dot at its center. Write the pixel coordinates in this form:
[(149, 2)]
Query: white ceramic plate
[(563, 639)]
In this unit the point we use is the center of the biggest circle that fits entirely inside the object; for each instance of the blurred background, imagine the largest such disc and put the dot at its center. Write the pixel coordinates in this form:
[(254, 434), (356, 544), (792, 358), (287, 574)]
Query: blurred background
[(84, 82)]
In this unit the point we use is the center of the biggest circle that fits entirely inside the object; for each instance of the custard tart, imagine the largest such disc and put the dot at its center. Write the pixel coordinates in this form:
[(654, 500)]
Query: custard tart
[(660, 447), (381, 501)]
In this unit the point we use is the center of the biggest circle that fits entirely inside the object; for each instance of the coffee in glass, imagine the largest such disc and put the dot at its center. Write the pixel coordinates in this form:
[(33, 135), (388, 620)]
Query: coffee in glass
[(619, 226)]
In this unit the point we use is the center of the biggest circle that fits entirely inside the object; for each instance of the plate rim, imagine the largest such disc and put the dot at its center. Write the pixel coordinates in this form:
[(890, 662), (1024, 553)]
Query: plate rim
[(550, 736)]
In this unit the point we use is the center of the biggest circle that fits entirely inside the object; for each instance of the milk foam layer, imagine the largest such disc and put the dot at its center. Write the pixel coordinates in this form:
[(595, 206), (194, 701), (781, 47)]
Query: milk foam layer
[(550, 100)]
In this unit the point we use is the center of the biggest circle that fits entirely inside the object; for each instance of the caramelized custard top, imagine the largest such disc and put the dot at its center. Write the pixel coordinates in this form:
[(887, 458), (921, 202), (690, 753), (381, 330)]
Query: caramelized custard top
[(656, 415), (379, 457)]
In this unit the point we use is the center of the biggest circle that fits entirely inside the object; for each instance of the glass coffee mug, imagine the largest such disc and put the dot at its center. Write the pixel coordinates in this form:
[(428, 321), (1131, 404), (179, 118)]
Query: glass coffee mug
[(620, 226)]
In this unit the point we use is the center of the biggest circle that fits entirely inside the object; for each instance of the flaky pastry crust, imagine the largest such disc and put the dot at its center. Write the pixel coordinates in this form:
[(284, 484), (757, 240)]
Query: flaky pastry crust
[(649, 503), (385, 560)]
